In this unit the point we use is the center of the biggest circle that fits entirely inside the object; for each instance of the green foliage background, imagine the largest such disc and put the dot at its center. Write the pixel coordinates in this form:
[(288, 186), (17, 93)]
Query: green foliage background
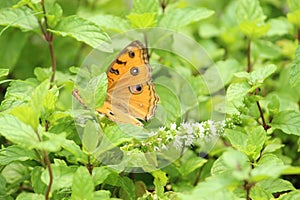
[(255, 47)]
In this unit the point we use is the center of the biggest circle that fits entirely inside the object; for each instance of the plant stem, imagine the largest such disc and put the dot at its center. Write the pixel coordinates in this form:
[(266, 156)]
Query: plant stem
[(249, 65), (48, 163), (264, 124), (298, 35), (49, 39)]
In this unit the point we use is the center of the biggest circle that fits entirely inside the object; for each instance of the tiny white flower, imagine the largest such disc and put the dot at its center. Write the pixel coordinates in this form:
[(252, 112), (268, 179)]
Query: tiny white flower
[(173, 126), (162, 128)]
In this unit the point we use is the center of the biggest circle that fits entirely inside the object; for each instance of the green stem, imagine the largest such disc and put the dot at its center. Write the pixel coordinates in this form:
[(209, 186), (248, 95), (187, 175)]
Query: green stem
[(249, 65)]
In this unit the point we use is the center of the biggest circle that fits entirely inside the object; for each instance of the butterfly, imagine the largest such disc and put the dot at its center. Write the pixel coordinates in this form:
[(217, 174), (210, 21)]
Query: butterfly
[(131, 94)]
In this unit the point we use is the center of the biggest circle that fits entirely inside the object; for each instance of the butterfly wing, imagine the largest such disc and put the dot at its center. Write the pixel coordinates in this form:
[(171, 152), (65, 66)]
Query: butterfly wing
[(131, 93)]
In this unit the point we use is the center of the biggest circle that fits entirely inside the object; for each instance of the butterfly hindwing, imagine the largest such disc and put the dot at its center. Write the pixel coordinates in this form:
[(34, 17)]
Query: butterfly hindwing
[(130, 94)]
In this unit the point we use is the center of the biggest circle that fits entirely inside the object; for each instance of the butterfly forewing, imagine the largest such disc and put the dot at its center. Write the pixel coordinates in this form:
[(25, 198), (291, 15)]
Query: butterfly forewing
[(131, 93)]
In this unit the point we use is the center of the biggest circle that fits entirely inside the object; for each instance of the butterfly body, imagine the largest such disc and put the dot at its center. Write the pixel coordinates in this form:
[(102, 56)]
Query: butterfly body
[(131, 93)]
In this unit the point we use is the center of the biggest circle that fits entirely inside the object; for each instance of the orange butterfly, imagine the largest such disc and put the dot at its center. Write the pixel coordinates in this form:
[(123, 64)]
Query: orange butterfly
[(131, 93)]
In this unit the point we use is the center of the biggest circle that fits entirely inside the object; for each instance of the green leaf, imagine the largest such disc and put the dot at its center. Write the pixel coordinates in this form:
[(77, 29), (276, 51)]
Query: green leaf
[(4, 72), (276, 185), (17, 132), (237, 139), (250, 144), (76, 153), (62, 176), (177, 18), (38, 185), (266, 49), (126, 184), (258, 76), (145, 6), (237, 163), (21, 17), (113, 137), (54, 12), (16, 153), (17, 93), (294, 195), (288, 121), (160, 181), (251, 18), (82, 187), (279, 27), (100, 174), (255, 141), (30, 196), (227, 69), (31, 118), (94, 94), (82, 30), (110, 22), (257, 192), (237, 91), (102, 194), (294, 17), (38, 96), (295, 69), (90, 137), (169, 108), (213, 188), (190, 162), (249, 10), (293, 5), (144, 20), (100, 85), (269, 166), (49, 102), (53, 143)]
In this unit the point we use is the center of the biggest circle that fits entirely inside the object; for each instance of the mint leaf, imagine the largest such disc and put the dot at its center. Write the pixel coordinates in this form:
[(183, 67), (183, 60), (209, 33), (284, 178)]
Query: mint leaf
[(237, 91), (100, 174), (4, 72), (52, 142), (31, 196), (144, 20), (82, 30), (16, 153), (160, 181), (258, 76), (21, 17), (177, 18), (276, 185), (76, 154), (295, 69), (17, 132), (288, 121), (269, 166), (190, 162), (62, 176), (255, 141), (293, 15), (110, 22), (170, 104), (83, 186), (90, 137), (38, 185), (294, 195), (251, 18), (145, 6), (293, 5)]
